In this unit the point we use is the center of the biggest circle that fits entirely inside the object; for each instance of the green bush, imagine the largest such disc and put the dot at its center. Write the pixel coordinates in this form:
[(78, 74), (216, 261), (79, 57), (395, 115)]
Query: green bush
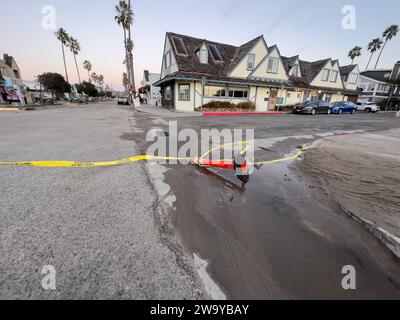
[(228, 106)]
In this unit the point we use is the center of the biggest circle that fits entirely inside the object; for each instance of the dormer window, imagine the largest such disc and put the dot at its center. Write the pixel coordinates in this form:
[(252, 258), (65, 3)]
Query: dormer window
[(250, 61), (295, 71), (203, 55)]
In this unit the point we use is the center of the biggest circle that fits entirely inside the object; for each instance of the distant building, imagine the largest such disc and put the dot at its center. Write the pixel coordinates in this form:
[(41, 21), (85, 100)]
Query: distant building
[(11, 84), (149, 93), (375, 86)]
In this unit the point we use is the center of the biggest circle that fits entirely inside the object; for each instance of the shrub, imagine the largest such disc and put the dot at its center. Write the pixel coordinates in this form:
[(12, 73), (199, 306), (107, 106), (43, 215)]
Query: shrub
[(228, 106), (246, 106)]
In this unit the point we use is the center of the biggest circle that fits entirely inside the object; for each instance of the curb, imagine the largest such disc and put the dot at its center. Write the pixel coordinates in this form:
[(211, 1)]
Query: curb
[(242, 114), (389, 240)]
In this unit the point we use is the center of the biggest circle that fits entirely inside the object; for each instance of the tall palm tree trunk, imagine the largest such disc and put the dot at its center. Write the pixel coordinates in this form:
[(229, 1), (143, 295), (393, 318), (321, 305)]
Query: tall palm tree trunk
[(127, 57), (369, 61), (65, 64), (130, 55), (380, 53), (77, 69)]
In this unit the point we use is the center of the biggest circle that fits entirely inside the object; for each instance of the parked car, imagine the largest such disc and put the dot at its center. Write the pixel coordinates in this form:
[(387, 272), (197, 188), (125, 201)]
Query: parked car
[(368, 107), (123, 100), (313, 107), (343, 107)]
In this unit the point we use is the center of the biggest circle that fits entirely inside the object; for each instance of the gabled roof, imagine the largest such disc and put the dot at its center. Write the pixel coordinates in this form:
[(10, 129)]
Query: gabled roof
[(378, 75), (191, 63), (289, 62), (310, 70), (346, 70), (242, 51)]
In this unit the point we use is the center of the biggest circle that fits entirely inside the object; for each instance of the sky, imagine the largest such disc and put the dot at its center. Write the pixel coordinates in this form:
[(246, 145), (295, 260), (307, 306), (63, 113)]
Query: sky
[(310, 28)]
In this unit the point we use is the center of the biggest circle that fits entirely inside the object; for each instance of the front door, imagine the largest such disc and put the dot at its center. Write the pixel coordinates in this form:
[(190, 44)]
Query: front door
[(272, 99)]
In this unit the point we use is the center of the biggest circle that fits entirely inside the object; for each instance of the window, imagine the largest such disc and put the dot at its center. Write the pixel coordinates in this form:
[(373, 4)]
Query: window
[(167, 61), (238, 93), (353, 78), (325, 74), (184, 92), (250, 61), (3, 72), (273, 64), (203, 55), (295, 70), (213, 91), (179, 46), (288, 95), (334, 76), (215, 53), (167, 95)]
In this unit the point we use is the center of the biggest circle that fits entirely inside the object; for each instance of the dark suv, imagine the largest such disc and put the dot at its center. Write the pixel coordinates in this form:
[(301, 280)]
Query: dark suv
[(313, 107)]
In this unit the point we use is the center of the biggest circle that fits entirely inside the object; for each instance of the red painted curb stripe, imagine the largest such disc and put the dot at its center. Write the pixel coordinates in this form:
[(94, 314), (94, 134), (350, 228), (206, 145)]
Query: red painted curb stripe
[(241, 114)]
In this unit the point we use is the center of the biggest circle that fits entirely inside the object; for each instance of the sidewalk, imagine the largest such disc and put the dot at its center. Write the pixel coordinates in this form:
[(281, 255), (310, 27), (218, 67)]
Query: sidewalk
[(163, 112)]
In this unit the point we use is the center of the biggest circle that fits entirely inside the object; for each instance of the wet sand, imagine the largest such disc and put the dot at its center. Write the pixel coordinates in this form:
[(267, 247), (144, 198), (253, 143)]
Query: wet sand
[(361, 173)]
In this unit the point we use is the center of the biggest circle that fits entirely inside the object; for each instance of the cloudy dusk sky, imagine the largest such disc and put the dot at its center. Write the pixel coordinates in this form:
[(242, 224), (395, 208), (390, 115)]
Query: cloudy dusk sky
[(310, 28)]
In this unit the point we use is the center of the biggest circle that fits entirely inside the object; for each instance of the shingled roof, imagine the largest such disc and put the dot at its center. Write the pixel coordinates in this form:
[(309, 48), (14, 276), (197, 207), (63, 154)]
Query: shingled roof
[(345, 70), (242, 51), (289, 62), (378, 75), (191, 63)]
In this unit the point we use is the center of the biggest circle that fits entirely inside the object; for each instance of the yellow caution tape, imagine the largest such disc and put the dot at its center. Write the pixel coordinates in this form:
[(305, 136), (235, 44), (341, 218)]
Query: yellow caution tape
[(74, 164)]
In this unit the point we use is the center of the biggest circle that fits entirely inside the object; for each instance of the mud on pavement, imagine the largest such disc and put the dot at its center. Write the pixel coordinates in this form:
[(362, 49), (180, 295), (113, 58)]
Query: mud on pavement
[(274, 237)]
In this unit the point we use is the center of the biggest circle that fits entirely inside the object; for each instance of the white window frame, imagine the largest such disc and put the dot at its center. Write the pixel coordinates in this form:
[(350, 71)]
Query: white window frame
[(271, 65), (181, 96), (220, 88), (238, 89), (336, 73), (3, 72), (203, 56), (326, 72), (251, 60), (353, 78)]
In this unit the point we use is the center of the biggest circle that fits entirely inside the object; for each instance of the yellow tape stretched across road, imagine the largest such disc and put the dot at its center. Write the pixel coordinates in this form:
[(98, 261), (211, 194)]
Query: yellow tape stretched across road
[(74, 164)]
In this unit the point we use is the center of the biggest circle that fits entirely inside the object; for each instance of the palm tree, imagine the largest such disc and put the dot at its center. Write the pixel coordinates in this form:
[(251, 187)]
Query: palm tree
[(94, 77), (374, 46), (87, 66), (130, 46), (354, 53), (75, 48), (125, 81), (388, 34), (63, 37), (124, 19)]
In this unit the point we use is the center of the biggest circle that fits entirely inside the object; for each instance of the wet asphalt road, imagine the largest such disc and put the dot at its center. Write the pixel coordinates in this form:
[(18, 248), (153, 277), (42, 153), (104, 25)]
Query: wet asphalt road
[(273, 238), (99, 227), (103, 230)]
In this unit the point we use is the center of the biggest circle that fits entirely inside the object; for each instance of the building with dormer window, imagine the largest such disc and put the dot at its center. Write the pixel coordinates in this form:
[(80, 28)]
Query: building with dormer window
[(196, 71)]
